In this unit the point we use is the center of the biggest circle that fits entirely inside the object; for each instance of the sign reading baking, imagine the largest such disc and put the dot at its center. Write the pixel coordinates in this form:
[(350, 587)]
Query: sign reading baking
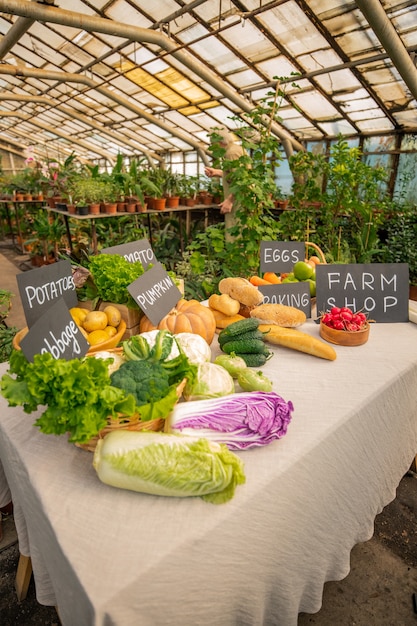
[(139, 250), (290, 294), (41, 287), (379, 289), (280, 256), (155, 293)]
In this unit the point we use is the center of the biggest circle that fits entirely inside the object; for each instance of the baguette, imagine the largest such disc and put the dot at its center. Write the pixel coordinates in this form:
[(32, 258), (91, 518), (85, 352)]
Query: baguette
[(241, 290), (297, 340), (279, 314)]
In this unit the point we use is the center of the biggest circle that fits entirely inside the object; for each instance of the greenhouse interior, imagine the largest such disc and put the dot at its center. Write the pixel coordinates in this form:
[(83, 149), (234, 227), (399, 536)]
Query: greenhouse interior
[(196, 164)]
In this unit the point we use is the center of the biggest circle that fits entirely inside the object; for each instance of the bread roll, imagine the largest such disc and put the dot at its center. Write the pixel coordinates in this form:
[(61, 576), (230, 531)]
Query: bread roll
[(241, 290), (279, 314)]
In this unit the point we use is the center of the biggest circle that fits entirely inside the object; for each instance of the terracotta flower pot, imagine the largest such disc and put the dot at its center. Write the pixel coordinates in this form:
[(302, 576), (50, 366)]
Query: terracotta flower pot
[(121, 207), (131, 207), (111, 207), (159, 204), (172, 202), (94, 208)]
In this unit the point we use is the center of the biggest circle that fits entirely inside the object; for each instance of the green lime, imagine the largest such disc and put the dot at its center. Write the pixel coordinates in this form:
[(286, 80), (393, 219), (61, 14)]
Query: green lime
[(302, 270), (312, 287)]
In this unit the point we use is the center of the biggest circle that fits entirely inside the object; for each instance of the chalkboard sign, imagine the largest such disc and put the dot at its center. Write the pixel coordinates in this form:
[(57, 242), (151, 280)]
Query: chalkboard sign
[(155, 293), (290, 294), (378, 289), (280, 256), (55, 332), (41, 287), (134, 251)]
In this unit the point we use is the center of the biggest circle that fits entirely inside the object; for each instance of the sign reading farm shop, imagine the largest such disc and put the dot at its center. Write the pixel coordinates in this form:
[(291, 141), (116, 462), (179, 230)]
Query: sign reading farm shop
[(379, 289), (155, 293), (139, 250), (41, 287), (55, 332)]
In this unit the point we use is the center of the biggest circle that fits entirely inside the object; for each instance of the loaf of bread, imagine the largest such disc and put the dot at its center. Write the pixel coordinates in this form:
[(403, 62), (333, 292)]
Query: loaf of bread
[(224, 303), (297, 340), (279, 315), (241, 290)]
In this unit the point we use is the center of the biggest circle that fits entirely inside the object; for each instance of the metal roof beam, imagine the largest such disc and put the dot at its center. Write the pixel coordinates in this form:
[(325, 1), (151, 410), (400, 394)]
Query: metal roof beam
[(139, 34), (390, 40), (117, 137), (58, 133), (92, 84)]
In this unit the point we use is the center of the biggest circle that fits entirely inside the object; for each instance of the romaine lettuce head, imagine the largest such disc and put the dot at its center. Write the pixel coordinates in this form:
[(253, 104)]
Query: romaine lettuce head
[(168, 465)]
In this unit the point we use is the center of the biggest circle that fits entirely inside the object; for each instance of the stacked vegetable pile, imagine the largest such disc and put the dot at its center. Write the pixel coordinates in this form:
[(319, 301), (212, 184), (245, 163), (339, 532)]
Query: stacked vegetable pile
[(243, 339), (195, 456)]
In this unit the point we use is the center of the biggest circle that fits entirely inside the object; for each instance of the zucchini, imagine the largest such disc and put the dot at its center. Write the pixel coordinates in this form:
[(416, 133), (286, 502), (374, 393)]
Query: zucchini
[(245, 346), (255, 360), (239, 327), (251, 334)]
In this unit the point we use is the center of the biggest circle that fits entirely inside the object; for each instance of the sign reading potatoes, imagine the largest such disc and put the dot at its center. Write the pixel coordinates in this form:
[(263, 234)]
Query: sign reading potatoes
[(41, 287), (378, 289)]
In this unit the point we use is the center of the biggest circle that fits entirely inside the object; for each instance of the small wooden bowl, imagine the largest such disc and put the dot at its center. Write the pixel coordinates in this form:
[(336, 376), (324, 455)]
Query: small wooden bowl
[(344, 337), (105, 345)]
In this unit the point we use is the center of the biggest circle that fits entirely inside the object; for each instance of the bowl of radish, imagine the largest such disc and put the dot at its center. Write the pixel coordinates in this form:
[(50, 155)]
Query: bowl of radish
[(344, 327)]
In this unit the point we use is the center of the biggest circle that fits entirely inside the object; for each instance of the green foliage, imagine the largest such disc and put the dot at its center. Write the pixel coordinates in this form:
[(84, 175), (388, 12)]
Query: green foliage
[(251, 179), (401, 236), (6, 333), (345, 217)]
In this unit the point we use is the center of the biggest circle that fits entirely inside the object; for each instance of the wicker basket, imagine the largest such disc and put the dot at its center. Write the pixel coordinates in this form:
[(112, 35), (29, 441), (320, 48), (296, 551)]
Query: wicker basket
[(319, 251), (122, 423), (125, 422)]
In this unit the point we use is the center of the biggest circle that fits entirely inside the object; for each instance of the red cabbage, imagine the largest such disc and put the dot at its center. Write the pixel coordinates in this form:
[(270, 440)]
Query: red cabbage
[(240, 420)]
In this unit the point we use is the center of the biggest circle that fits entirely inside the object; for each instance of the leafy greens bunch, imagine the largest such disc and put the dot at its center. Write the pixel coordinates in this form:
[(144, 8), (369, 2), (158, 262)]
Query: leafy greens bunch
[(111, 274), (78, 394)]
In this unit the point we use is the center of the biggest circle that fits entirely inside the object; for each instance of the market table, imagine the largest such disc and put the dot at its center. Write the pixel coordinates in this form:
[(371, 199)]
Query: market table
[(108, 556)]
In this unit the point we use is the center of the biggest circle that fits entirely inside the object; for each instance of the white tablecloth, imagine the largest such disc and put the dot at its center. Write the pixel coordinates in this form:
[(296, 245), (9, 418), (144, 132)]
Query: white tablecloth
[(107, 556)]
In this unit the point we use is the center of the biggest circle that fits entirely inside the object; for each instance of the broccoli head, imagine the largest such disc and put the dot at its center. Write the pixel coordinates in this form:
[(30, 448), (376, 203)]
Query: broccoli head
[(145, 380)]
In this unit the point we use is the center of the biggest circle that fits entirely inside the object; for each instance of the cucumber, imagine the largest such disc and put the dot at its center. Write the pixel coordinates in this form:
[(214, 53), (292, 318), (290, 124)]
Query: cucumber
[(254, 360), (250, 334), (237, 328), (245, 346)]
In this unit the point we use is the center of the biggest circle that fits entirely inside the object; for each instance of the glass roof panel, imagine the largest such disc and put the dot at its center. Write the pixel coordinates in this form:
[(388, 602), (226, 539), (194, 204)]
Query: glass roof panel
[(210, 60)]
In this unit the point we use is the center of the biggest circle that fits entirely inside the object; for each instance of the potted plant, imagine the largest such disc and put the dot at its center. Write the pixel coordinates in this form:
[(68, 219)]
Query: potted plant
[(171, 189), (87, 192), (47, 233)]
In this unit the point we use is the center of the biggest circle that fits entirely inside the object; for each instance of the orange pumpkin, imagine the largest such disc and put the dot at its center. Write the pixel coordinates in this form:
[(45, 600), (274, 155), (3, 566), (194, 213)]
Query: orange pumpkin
[(189, 316)]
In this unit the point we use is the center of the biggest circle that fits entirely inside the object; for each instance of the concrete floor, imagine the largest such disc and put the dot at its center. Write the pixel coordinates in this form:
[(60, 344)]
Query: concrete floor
[(379, 588)]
